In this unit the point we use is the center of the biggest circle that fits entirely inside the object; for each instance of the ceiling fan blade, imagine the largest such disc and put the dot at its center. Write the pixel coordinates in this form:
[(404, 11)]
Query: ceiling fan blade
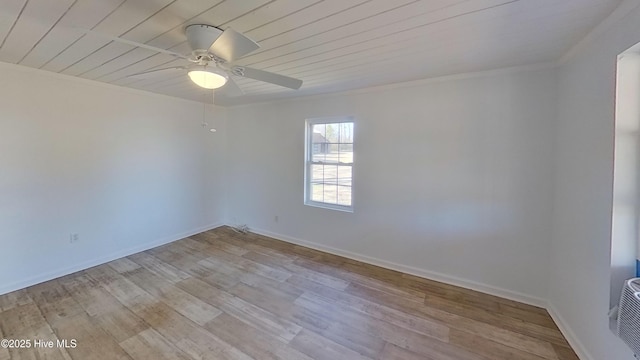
[(266, 76), (232, 45), (231, 88), (134, 43), (201, 36), (158, 72)]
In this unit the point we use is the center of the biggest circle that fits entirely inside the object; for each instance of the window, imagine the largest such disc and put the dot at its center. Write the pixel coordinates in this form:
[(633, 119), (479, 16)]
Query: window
[(329, 163)]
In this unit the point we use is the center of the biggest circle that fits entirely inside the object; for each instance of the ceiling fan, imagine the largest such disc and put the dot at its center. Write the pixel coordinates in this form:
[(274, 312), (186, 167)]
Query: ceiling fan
[(213, 52)]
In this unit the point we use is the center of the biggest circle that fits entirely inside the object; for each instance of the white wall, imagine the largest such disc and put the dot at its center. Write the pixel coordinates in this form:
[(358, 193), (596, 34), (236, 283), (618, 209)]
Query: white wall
[(451, 177), (124, 169), (580, 281)]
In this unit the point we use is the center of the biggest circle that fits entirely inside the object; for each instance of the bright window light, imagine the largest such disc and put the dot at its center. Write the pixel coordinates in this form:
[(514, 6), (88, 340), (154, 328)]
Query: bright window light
[(329, 163)]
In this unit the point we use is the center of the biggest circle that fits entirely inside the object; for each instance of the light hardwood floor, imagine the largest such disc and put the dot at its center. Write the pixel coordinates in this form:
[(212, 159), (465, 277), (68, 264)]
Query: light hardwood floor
[(225, 295)]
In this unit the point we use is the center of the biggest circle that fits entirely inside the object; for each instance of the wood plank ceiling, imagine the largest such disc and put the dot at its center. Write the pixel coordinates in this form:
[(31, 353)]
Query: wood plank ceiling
[(332, 45)]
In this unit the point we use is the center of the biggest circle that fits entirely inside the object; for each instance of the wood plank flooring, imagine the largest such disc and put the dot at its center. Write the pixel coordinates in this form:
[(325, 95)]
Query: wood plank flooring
[(226, 295)]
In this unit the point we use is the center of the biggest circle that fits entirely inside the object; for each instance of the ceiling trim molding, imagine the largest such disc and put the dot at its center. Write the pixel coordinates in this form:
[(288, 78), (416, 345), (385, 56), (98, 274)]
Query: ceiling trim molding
[(408, 84), (54, 75), (624, 9)]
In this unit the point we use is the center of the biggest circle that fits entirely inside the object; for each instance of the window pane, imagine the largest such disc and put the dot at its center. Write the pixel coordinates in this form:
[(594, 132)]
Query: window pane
[(344, 175), (332, 153), (346, 132), (319, 143), (346, 147), (317, 192), (318, 152), (344, 195), (331, 194), (317, 173), (346, 153), (320, 129), (330, 177), (331, 174), (332, 133)]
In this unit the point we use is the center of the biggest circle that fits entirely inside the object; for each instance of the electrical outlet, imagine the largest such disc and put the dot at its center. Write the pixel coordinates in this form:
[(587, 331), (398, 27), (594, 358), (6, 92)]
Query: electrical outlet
[(74, 237)]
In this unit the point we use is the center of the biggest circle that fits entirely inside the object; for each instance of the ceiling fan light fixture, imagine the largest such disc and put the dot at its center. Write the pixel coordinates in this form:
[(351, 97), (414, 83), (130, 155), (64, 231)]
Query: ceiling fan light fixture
[(208, 79)]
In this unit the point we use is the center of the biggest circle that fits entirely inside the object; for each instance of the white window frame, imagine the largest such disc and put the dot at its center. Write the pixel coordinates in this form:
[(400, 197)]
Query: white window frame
[(308, 153)]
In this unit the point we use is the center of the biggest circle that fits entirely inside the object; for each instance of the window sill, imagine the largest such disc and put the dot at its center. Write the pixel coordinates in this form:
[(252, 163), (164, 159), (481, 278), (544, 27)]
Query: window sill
[(347, 209)]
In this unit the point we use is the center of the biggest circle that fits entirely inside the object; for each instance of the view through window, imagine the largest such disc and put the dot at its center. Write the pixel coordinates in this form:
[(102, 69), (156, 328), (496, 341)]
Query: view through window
[(329, 163)]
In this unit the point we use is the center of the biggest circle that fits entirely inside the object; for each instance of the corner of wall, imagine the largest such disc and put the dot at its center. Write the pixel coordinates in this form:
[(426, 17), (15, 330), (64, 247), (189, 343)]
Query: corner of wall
[(576, 286), (568, 333)]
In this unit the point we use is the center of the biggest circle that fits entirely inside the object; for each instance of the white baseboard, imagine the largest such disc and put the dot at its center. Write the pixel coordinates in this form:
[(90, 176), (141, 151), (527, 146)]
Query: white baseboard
[(101, 260), (576, 344), (571, 337), (432, 275)]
